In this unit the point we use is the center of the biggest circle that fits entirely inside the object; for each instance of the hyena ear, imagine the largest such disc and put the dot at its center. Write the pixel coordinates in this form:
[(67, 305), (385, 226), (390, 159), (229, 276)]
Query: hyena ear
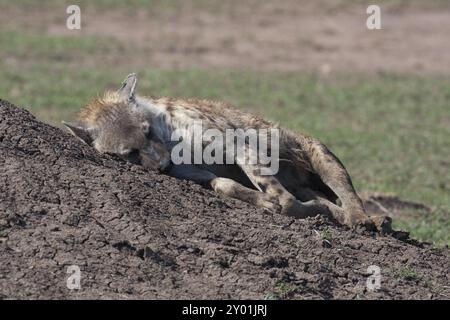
[(128, 89), (82, 133)]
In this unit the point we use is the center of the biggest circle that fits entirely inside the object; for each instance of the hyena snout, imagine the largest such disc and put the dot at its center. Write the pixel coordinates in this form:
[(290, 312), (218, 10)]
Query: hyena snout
[(155, 157)]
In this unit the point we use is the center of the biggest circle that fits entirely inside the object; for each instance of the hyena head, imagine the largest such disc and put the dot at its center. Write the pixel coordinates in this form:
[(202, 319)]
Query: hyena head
[(115, 123)]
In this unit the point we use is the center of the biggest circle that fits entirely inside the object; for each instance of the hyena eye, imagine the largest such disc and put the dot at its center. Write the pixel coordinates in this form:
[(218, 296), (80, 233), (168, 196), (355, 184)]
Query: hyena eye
[(149, 134), (134, 157), (146, 129)]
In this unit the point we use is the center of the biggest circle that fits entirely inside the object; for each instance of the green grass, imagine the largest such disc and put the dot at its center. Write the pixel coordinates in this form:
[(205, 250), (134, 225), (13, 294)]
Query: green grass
[(432, 227), (326, 237), (35, 48), (392, 132), (408, 273), (157, 6), (282, 291)]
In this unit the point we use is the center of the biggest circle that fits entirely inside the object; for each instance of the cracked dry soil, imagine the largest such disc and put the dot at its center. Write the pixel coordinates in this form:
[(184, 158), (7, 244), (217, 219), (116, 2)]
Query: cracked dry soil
[(139, 234)]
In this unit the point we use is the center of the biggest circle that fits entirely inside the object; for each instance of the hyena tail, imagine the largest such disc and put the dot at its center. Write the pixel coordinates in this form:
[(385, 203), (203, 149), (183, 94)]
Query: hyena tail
[(332, 173)]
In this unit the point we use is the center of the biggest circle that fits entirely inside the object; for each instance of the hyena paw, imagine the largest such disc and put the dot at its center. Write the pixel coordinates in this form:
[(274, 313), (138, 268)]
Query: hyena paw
[(380, 224), (383, 224), (362, 221), (270, 203)]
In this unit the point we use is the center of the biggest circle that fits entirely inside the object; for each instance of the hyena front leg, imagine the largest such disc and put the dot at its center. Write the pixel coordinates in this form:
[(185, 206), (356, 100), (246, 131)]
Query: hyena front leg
[(225, 186), (291, 206)]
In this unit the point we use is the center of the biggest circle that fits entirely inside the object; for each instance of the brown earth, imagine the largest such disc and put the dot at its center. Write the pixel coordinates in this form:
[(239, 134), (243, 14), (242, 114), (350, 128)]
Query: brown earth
[(291, 35), (139, 234)]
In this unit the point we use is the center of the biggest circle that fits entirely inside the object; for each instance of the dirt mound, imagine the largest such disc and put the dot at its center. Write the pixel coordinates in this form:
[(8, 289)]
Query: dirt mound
[(138, 234)]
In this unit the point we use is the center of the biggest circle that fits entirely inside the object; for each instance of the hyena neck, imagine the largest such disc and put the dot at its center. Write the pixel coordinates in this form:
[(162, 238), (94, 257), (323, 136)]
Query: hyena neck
[(168, 120), (151, 108)]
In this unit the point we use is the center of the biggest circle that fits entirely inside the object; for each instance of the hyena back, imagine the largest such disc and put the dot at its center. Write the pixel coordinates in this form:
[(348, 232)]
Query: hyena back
[(310, 180)]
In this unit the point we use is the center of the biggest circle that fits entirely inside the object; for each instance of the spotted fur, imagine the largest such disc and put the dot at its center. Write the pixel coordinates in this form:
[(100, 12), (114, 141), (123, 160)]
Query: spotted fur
[(311, 179)]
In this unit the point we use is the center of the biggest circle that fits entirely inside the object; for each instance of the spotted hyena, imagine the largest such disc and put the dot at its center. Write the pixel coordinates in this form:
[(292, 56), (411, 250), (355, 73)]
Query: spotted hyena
[(309, 179)]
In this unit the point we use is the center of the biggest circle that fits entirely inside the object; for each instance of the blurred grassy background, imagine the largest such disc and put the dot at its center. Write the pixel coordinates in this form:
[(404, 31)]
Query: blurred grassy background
[(390, 129)]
